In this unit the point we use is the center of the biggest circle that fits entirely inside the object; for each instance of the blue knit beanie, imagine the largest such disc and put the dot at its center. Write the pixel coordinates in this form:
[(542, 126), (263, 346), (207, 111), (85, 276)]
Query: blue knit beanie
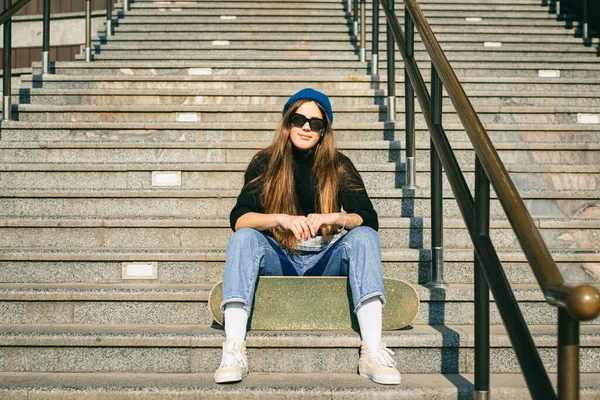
[(311, 94)]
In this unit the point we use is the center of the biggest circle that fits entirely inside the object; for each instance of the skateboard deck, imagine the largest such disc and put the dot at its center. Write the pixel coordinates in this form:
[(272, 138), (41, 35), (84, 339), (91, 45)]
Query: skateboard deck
[(317, 303)]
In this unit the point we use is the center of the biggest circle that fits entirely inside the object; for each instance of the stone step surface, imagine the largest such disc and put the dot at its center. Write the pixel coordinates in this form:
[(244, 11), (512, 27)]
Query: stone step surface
[(552, 210), (276, 97), (69, 386), (229, 176), (129, 234), (351, 67), (447, 346), (352, 83), (189, 132), (236, 152), (70, 270), (186, 304)]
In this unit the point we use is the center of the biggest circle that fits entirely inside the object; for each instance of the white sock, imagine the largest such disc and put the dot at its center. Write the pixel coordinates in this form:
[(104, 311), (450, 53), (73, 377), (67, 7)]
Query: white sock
[(369, 321), (236, 321)]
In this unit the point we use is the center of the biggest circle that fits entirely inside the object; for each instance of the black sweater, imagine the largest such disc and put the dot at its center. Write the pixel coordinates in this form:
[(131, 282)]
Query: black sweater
[(349, 198)]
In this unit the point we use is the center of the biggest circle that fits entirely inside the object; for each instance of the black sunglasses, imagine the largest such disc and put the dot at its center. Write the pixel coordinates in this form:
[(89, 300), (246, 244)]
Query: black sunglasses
[(316, 124)]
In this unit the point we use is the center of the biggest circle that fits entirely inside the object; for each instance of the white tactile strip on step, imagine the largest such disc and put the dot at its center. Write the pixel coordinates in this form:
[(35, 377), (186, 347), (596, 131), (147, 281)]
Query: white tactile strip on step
[(166, 178)]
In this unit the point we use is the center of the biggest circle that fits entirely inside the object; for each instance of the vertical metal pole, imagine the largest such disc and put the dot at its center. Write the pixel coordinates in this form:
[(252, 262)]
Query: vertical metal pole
[(125, 5), (109, 31), (482, 290), (568, 356), (558, 7), (437, 238), (88, 30), (6, 79), (363, 30), (586, 33), (409, 104), (46, 39), (391, 68), (355, 17), (375, 39)]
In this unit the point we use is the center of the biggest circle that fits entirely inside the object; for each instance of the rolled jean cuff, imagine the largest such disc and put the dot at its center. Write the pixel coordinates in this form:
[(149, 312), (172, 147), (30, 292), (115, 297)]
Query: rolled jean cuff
[(370, 296), (235, 300)]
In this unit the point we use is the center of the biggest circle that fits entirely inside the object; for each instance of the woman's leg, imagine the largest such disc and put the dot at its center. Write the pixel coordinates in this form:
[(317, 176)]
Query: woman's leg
[(249, 254), (358, 256)]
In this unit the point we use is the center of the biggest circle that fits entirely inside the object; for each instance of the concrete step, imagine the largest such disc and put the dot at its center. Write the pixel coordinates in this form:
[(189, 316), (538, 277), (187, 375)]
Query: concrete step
[(104, 266), (324, 83), (276, 97), (295, 67), (272, 113), (229, 176), (189, 132), (218, 52), (239, 152), (285, 45), (412, 269), (142, 304), (169, 233), (69, 386), (190, 203)]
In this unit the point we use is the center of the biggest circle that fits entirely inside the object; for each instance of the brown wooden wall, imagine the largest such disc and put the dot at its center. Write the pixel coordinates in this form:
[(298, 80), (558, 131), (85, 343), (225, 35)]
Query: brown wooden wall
[(23, 57), (36, 7)]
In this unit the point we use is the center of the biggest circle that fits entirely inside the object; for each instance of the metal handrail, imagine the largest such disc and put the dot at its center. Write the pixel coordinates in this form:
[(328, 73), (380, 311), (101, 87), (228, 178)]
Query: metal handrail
[(15, 8), (5, 19), (576, 300), (574, 303)]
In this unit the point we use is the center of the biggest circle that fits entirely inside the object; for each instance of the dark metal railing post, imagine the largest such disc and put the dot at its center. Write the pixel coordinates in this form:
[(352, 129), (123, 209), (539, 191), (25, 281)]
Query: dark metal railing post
[(7, 68), (109, 31), (363, 30), (409, 105), (355, 17), (568, 356), (585, 27), (375, 39), (391, 67), (46, 39), (88, 30), (437, 234), (482, 289)]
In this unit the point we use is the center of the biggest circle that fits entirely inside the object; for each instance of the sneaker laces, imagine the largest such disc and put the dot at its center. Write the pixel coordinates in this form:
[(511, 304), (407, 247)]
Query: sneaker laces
[(233, 356), (385, 357)]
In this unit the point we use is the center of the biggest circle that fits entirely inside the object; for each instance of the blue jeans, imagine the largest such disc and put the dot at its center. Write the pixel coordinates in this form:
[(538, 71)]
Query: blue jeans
[(251, 253)]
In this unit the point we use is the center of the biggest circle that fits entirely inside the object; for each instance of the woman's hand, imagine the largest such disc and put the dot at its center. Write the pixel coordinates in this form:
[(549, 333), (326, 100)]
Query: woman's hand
[(319, 221), (300, 225)]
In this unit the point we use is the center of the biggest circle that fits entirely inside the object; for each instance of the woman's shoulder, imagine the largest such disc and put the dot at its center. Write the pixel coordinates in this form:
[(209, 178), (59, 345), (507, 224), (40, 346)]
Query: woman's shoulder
[(344, 161), (260, 160)]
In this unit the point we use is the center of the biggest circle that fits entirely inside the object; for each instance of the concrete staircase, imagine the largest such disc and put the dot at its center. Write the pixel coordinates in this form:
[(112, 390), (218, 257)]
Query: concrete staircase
[(166, 93)]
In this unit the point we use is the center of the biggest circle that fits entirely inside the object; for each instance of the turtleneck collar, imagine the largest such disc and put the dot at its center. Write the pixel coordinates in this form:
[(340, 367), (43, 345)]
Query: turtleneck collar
[(303, 157)]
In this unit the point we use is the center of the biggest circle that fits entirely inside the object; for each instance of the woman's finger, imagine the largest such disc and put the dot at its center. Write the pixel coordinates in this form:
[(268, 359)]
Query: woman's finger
[(297, 233), (306, 228)]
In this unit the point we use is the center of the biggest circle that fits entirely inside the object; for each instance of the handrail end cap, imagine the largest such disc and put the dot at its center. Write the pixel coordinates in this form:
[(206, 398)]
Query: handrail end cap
[(583, 302)]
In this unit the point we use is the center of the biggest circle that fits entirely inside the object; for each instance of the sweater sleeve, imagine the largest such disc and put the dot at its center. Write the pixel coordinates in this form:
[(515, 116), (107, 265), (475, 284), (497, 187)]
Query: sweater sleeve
[(249, 198), (354, 197)]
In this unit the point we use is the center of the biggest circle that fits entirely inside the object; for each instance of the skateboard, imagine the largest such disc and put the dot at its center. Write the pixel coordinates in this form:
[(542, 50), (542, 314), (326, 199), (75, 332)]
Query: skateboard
[(317, 303)]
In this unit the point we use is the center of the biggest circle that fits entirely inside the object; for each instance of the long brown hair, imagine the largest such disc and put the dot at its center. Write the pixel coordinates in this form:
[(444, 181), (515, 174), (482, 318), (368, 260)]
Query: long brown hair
[(276, 184)]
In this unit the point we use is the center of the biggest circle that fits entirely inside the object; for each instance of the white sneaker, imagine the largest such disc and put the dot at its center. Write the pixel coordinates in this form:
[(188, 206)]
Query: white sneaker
[(234, 365), (379, 367)]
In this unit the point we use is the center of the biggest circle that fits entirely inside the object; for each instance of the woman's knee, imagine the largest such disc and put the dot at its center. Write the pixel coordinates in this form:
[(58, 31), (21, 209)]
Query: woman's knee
[(245, 237), (363, 235)]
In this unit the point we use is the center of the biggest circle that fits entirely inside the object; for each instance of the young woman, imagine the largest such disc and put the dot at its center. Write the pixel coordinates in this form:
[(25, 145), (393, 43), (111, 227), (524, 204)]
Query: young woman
[(288, 222)]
